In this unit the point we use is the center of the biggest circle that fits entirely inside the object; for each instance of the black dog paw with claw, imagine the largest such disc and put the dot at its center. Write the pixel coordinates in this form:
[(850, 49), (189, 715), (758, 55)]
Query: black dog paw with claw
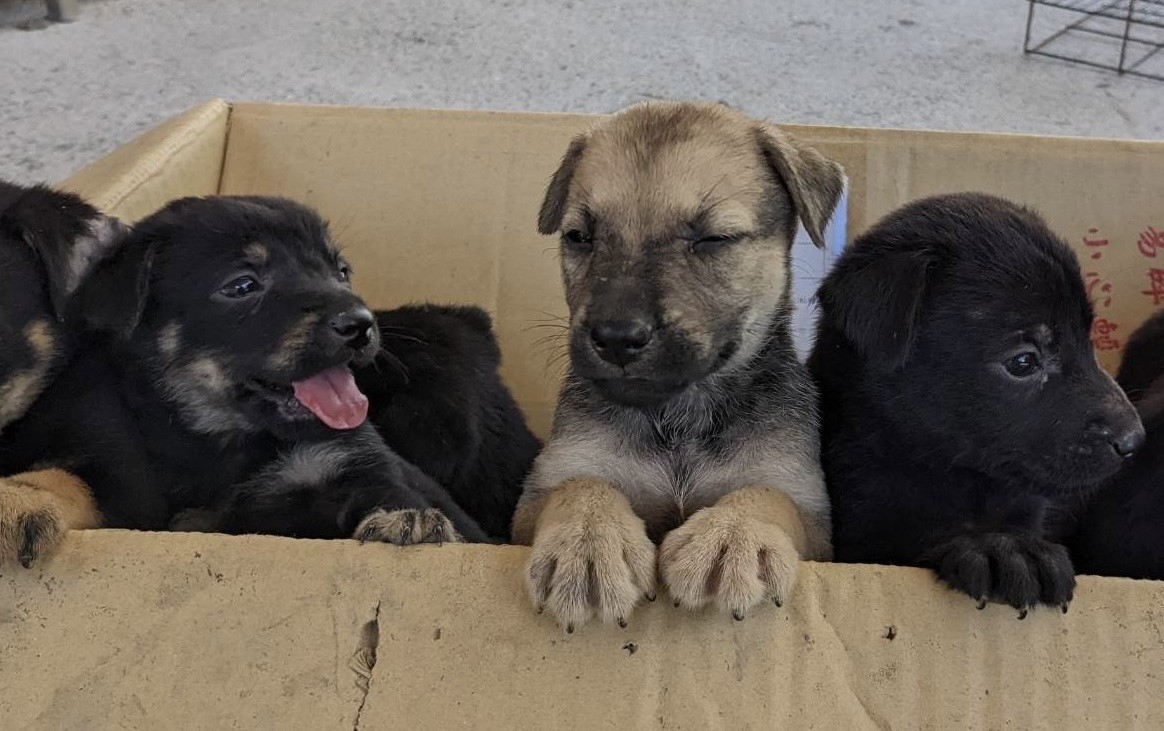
[(1020, 570)]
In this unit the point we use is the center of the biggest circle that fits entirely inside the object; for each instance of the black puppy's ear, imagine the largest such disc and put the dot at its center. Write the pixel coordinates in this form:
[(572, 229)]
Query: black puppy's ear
[(67, 234), (876, 300), (554, 204), (814, 181), (114, 294), (68, 262)]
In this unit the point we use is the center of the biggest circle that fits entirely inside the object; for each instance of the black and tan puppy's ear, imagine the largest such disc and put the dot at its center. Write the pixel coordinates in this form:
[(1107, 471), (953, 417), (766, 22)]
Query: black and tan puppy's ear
[(554, 204), (876, 300), (114, 294), (814, 181), (68, 235)]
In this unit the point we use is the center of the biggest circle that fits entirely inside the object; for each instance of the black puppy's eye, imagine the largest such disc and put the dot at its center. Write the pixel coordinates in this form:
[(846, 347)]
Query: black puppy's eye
[(1023, 365), (578, 241), (711, 244), (240, 287), (345, 272)]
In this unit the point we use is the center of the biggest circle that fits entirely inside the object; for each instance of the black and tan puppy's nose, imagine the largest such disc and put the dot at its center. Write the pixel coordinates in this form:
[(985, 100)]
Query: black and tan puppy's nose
[(620, 341), (354, 327)]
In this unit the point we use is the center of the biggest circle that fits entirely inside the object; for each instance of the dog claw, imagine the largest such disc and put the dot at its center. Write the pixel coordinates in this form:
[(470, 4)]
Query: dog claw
[(570, 629), (676, 603), (1065, 606), (1022, 614), (439, 531), (650, 597), (26, 559), (981, 604), (779, 604), (622, 622), (738, 616)]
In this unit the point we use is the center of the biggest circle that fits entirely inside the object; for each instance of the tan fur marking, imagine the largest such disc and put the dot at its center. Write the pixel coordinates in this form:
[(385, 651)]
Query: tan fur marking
[(257, 253), (591, 554), (22, 387), (293, 343), (54, 501), (170, 340), (741, 551)]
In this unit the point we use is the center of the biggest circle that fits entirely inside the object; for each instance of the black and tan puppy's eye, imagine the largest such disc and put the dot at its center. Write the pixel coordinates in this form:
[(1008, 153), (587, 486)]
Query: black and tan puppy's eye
[(578, 242), (1023, 365), (240, 287), (712, 244), (345, 272)]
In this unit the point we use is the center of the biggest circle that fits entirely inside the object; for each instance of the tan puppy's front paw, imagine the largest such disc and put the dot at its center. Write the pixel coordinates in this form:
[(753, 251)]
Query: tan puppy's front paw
[(591, 556), (37, 510), (406, 527), (722, 554)]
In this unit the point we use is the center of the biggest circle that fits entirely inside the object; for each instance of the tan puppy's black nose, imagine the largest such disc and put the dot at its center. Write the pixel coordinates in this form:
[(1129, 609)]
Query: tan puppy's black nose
[(354, 327), (620, 341)]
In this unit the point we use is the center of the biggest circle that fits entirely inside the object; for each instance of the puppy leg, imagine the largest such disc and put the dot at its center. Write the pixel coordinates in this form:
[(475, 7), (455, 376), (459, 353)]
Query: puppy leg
[(37, 509), (349, 486), (739, 552), (591, 554)]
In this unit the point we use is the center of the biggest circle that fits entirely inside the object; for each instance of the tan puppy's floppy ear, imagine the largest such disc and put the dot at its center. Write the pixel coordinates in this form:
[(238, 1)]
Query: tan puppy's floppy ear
[(554, 205), (814, 181)]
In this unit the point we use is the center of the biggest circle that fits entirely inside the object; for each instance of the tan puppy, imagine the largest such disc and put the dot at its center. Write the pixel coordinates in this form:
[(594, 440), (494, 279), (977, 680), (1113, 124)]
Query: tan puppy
[(685, 417)]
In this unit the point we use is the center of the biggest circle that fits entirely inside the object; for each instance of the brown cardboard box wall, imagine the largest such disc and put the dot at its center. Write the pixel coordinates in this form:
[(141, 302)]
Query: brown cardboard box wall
[(135, 630)]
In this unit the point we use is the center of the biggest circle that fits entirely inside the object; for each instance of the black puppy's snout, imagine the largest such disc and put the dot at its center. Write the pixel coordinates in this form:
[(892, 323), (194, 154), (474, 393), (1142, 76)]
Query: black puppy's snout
[(354, 327), (621, 341), (1124, 433)]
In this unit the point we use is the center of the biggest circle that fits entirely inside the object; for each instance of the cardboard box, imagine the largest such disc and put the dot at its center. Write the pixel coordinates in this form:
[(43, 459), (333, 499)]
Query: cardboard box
[(136, 630)]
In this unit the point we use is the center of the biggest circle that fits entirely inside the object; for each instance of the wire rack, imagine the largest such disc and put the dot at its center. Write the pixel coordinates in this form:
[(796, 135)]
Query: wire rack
[(1133, 29)]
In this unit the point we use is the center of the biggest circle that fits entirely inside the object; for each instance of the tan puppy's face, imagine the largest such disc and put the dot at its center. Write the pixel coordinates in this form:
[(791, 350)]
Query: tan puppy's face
[(676, 221)]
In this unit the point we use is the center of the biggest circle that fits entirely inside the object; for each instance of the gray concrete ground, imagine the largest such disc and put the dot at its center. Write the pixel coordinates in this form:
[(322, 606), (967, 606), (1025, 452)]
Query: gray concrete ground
[(74, 91)]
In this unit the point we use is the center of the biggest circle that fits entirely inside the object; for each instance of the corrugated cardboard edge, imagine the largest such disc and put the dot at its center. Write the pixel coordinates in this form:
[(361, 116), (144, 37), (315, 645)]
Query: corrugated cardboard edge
[(180, 157)]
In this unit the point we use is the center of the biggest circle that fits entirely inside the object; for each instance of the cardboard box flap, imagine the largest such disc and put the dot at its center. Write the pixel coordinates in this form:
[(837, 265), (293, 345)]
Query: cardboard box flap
[(180, 157), (138, 630)]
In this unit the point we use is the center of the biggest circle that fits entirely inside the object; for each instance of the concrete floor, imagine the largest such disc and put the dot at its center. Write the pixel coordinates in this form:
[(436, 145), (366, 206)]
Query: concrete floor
[(72, 92)]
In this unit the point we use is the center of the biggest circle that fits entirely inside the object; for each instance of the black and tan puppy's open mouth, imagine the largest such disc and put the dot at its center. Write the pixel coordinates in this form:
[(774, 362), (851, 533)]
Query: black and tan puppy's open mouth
[(331, 395)]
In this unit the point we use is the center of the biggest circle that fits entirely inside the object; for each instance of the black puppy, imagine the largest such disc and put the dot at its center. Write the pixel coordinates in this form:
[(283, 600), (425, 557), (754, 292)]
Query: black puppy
[(963, 409), (438, 400), (1122, 531), (49, 242), (222, 397)]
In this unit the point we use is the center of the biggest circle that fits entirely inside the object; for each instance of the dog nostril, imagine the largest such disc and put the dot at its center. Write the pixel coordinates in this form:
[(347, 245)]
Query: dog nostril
[(354, 326), (620, 341)]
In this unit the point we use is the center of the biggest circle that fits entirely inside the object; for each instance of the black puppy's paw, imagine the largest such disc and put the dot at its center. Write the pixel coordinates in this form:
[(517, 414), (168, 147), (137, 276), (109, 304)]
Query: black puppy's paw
[(1019, 570), (406, 527)]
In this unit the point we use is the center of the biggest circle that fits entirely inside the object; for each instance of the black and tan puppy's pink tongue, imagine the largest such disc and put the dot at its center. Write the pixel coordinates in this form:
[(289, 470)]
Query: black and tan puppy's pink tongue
[(334, 397)]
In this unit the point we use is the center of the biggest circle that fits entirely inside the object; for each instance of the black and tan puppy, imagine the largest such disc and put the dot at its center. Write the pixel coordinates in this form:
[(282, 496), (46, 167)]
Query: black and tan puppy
[(222, 397), (1121, 533), (438, 400), (49, 242), (685, 417), (963, 409)]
